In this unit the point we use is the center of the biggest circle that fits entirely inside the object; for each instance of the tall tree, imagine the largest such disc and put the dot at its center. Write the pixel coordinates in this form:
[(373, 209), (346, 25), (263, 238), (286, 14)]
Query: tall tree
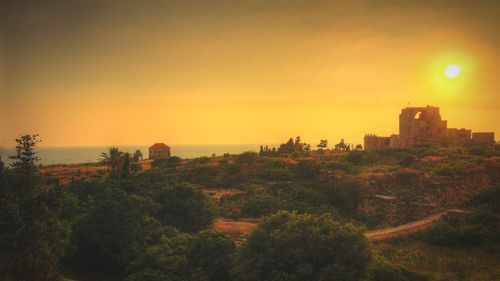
[(33, 238), (113, 159), (25, 158), (126, 165)]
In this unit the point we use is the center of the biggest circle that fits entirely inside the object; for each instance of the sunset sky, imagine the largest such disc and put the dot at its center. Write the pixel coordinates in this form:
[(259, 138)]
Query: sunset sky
[(229, 72)]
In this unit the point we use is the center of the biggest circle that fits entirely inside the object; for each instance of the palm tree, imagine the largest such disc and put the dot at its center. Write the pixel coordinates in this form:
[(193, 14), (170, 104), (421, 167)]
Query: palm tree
[(112, 158)]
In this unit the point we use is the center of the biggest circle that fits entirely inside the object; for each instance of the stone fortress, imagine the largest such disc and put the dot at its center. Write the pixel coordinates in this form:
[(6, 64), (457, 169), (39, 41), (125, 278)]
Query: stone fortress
[(423, 125)]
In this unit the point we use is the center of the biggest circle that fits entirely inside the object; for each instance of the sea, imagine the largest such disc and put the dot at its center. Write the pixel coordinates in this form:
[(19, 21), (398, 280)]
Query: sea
[(90, 154)]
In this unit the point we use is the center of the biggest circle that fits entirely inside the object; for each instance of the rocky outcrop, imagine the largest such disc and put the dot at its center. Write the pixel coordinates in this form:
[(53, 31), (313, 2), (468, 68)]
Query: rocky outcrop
[(389, 199)]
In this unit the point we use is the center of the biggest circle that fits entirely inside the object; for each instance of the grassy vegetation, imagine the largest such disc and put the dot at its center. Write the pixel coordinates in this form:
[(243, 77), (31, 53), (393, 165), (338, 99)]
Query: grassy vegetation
[(460, 263)]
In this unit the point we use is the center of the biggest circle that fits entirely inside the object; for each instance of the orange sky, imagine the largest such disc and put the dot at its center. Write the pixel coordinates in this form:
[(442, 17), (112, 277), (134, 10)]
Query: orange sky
[(224, 72)]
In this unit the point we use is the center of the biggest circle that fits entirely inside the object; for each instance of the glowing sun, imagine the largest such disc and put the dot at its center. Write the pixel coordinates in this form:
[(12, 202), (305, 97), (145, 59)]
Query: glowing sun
[(452, 71)]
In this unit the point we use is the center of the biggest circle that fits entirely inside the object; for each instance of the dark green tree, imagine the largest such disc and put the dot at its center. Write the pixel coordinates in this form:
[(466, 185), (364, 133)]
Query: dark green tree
[(287, 246), (165, 261), (186, 207), (111, 230), (33, 237), (25, 158), (211, 252)]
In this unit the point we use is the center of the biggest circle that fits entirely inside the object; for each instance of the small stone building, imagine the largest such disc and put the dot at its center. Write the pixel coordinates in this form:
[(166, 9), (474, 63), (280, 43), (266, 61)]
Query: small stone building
[(159, 150)]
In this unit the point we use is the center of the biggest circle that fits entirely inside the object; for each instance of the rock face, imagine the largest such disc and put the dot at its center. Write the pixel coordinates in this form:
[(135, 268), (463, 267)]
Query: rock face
[(396, 198)]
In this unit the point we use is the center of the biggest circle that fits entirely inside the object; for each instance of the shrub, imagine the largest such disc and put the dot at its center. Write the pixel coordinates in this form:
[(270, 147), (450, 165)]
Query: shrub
[(338, 165), (440, 233), (248, 157), (478, 151), (170, 162), (384, 271), (259, 205), (408, 160), (186, 207), (307, 169), (134, 167), (211, 253), (288, 246), (277, 174)]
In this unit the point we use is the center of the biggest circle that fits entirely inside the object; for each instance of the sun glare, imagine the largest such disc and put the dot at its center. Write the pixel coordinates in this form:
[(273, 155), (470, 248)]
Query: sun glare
[(452, 71)]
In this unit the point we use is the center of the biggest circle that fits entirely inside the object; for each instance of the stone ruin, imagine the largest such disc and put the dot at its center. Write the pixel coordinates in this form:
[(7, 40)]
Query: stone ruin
[(423, 125)]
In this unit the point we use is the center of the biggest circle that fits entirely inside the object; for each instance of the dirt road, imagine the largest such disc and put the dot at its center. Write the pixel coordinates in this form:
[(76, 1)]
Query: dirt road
[(245, 226), (414, 226)]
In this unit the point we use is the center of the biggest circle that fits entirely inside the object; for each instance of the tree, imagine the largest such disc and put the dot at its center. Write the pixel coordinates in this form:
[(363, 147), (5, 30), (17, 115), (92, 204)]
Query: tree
[(186, 207), (211, 252), (164, 261), (137, 156), (25, 158), (323, 144), (307, 148), (33, 237), (359, 147), (126, 165), (287, 148), (288, 246), (112, 159), (341, 146), (111, 230), (258, 205)]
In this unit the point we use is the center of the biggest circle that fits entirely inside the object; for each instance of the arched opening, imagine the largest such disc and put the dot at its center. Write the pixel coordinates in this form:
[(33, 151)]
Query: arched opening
[(418, 115)]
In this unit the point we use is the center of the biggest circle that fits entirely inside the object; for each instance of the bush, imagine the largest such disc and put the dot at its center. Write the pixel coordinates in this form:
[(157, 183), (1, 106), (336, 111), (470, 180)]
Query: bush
[(478, 151), (277, 174), (259, 205), (408, 160), (288, 246), (134, 167), (440, 233), (170, 162), (338, 165), (248, 157), (211, 253), (307, 169), (166, 260), (383, 271), (201, 160), (186, 207)]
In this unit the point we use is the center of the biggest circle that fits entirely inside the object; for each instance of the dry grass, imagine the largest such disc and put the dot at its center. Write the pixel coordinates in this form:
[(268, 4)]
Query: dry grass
[(217, 193), (236, 228), (444, 263), (66, 173)]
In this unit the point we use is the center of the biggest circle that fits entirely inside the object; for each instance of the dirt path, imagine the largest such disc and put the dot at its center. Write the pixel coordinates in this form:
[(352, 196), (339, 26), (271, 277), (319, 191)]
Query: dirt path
[(414, 226), (245, 226)]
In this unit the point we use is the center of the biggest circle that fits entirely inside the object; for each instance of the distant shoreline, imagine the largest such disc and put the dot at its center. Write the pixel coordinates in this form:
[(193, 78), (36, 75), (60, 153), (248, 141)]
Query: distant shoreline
[(82, 155)]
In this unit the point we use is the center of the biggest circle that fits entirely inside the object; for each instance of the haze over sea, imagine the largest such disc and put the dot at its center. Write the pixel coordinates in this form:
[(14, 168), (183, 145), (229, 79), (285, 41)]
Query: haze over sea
[(86, 154)]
